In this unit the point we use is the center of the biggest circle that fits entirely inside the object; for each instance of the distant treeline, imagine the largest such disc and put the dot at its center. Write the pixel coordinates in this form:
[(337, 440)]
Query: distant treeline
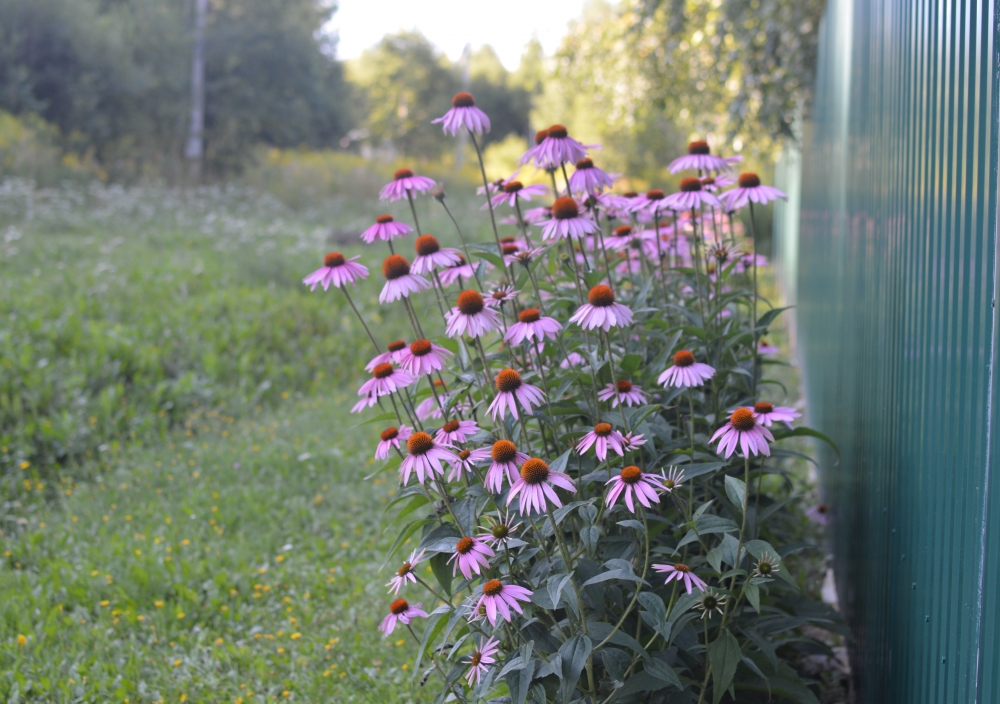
[(114, 77)]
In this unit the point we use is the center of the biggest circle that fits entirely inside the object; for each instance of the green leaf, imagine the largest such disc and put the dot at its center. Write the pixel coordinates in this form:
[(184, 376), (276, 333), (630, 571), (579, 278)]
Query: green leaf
[(724, 654), (434, 626), (616, 662), (559, 463), (662, 671), (630, 363), (407, 531), (736, 490), (696, 470), (574, 654), (442, 572), (711, 523), (769, 317), (753, 596), (809, 433)]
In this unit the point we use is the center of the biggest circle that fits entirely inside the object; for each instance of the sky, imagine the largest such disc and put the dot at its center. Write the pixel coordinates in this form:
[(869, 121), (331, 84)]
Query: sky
[(506, 25)]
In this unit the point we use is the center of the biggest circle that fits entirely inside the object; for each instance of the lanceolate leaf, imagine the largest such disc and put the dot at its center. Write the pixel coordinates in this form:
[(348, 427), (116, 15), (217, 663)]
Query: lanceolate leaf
[(724, 654)]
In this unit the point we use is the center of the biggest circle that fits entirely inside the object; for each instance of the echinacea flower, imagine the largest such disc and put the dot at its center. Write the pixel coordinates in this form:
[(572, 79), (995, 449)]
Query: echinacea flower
[(392, 354), (481, 659), (501, 598), (652, 203), (532, 325), (713, 184), (463, 464), (602, 438), (672, 480), (399, 282), (536, 484), (767, 348), (336, 270), (767, 566), (601, 311), (430, 255), (385, 380), (699, 157), (505, 457), (622, 391), (403, 182), (744, 431), (685, 372), (633, 480), (500, 295), (463, 115), (750, 190), (768, 414), (524, 257), (510, 390), (385, 229), (470, 555), (390, 438), (425, 458), (471, 316), (456, 431), (566, 221), (818, 514), (691, 195), (405, 574), (684, 576), (573, 359), (589, 179), (462, 270), (556, 147), (500, 529), (513, 191), (631, 441), (710, 601), (400, 611), (423, 357)]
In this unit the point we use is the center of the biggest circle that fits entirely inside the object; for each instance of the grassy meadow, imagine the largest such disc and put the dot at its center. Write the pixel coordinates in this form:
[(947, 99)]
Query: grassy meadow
[(184, 511)]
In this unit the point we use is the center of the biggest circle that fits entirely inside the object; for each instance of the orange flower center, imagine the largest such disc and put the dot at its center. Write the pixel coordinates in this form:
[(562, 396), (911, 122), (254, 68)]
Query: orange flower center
[(404, 570), (470, 302), (395, 267), (699, 146), (749, 180), (623, 230), (381, 371), (420, 348), (631, 474), (565, 208), (402, 173), (821, 508), (585, 164), (510, 248), (540, 136), (558, 131), (684, 358), (503, 451), (476, 657), (419, 443), (601, 296), (529, 315), (464, 545), (383, 219), (680, 567), (450, 427), (630, 194), (508, 381), (512, 187), (624, 386), (655, 194), (763, 407), (690, 185), (399, 606), (389, 434), (463, 100), (334, 259), (464, 455), (493, 587), (742, 419), (396, 346), (535, 471), (602, 429), (708, 181), (426, 244)]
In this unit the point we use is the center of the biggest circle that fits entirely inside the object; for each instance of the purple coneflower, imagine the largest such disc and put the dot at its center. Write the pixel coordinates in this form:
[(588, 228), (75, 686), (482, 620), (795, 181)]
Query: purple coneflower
[(535, 216), (499, 530), (462, 270), (470, 555), (500, 597), (524, 257), (743, 430), (423, 357), (336, 270), (683, 574), (430, 255), (589, 179), (672, 480), (510, 390), (556, 147), (399, 282), (456, 431), (512, 191), (404, 181), (713, 184), (481, 658), (602, 437), (385, 379), (391, 355), (633, 481), (536, 484), (685, 372), (464, 114), (385, 229), (769, 414), (766, 348), (405, 574), (463, 464), (501, 294), (652, 203), (424, 458), (400, 612), (573, 359), (749, 190), (699, 157), (622, 391), (532, 325), (818, 514), (566, 221), (390, 438), (631, 441), (471, 316), (505, 457), (601, 311), (690, 196)]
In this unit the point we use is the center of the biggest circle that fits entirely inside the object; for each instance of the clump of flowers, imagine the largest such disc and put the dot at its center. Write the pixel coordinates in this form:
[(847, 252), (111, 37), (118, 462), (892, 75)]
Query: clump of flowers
[(609, 526)]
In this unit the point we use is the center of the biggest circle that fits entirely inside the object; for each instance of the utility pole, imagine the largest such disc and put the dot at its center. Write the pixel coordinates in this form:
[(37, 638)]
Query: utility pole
[(195, 148)]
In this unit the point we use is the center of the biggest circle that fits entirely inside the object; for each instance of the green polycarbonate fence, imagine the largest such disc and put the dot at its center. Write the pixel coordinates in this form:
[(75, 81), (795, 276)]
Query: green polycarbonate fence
[(897, 335)]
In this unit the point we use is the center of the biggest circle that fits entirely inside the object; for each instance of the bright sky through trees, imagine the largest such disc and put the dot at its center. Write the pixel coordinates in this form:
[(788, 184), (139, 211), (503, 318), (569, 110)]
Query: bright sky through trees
[(451, 24)]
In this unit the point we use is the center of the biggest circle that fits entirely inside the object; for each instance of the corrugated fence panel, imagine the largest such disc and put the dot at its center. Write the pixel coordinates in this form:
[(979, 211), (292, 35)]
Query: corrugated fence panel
[(897, 334)]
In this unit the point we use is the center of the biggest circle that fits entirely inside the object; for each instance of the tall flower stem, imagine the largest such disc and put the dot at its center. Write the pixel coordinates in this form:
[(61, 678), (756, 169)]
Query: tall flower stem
[(489, 202), (461, 236), (362, 320), (413, 209), (753, 240)]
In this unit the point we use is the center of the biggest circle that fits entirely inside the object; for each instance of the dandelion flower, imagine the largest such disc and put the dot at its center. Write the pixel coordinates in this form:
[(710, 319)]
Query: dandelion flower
[(481, 658), (471, 316), (744, 431), (403, 182), (423, 357), (601, 311), (532, 325), (622, 391), (385, 229), (536, 484), (510, 390), (456, 431), (749, 190), (390, 438), (431, 256), (336, 270), (405, 574), (399, 282), (685, 372), (603, 437), (699, 157), (501, 598), (400, 612), (505, 457), (470, 555), (632, 481), (463, 115), (683, 574), (425, 458), (566, 221)]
